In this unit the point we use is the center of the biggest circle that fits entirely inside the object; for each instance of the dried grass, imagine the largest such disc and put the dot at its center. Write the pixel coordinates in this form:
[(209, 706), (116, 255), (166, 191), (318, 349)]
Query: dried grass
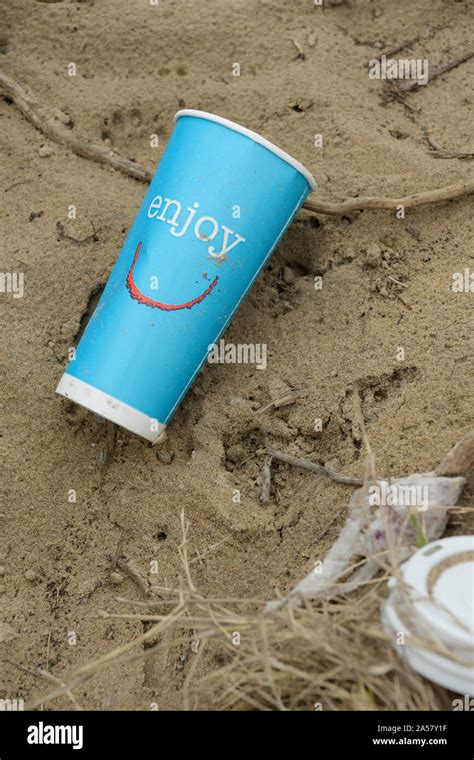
[(327, 655)]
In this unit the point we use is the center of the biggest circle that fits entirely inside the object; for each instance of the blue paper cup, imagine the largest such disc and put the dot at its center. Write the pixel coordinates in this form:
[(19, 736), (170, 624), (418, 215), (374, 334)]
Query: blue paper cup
[(220, 200)]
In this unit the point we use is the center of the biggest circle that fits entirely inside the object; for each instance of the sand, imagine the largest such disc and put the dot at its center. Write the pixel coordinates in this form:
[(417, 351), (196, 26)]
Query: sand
[(64, 512)]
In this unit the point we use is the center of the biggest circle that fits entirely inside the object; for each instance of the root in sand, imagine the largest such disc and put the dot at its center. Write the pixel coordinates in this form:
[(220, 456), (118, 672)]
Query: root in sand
[(55, 130)]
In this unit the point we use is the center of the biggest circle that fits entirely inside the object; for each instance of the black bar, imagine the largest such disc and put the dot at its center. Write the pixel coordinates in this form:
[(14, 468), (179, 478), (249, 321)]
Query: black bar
[(373, 734)]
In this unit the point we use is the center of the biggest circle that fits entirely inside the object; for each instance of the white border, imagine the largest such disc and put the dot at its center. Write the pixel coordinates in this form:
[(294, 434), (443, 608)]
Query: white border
[(253, 136), (109, 407)]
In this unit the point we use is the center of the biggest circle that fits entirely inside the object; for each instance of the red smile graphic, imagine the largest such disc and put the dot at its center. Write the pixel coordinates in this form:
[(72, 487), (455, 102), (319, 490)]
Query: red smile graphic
[(146, 301)]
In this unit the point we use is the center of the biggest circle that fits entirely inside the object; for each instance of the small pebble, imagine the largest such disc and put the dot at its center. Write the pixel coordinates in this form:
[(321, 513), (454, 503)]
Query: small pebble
[(2, 570), (289, 275), (235, 453), (388, 240), (64, 118), (45, 151), (165, 456), (30, 575), (372, 255), (116, 578)]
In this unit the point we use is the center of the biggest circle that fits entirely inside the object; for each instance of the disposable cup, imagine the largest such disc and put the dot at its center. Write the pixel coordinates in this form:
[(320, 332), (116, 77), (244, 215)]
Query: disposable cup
[(220, 201)]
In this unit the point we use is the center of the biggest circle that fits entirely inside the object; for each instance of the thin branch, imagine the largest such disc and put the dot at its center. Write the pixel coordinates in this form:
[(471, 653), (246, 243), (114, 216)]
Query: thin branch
[(84, 672), (459, 459), (288, 397), (54, 130), (350, 205), (50, 677), (391, 51), (397, 282), (266, 480), (39, 672), (301, 54), (412, 86), (329, 524), (212, 548), (438, 151), (118, 553), (359, 416), (129, 569), (306, 464), (183, 550)]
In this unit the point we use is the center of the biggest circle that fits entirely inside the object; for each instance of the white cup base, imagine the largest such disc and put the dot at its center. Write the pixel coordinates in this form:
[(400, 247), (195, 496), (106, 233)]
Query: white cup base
[(110, 408)]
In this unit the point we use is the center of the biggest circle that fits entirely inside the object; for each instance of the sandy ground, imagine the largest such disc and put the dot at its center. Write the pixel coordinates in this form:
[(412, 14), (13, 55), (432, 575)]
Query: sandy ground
[(136, 66)]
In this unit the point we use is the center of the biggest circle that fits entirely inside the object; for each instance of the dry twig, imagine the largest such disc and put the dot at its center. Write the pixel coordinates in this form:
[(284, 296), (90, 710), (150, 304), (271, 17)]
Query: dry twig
[(40, 672), (129, 569), (266, 480), (459, 459), (351, 205), (438, 151), (117, 655), (391, 51), (288, 397), (54, 130), (301, 54), (413, 85), (306, 464), (57, 132)]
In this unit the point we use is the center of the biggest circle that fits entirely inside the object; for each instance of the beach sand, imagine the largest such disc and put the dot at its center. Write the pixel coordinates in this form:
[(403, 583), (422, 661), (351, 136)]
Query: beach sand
[(65, 508)]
